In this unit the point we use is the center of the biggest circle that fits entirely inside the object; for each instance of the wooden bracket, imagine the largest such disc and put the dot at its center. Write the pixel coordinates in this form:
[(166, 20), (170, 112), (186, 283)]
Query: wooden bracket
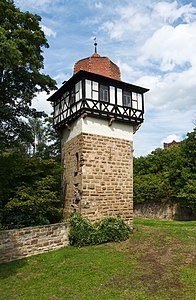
[(68, 127), (84, 115), (111, 121), (135, 128)]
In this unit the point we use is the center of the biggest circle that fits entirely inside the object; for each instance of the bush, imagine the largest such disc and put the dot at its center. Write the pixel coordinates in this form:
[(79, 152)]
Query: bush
[(83, 232), (112, 229)]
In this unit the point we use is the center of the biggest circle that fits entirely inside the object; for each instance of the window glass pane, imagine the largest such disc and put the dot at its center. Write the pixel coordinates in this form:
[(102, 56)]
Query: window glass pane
[(72, 97), (134, 104), (95, 86), (77, 96), (119, 97), (139, 102), (134, 96), (95, 95), (78, 91), (77, 87), (104, 93), (56, 109), (67, 98), (112, 94), (127, 99), (88, 89)]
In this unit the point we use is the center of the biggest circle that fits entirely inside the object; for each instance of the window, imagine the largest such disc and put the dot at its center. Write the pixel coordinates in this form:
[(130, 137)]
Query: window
[(95, 90), (78, 91), (66, 96), (77, 165), (72, 97), (104, 94), (127, 99), (135, 97)]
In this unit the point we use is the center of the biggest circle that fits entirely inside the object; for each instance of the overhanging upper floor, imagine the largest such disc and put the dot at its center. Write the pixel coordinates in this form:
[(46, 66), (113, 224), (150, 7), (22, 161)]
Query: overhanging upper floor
[(97, 96)]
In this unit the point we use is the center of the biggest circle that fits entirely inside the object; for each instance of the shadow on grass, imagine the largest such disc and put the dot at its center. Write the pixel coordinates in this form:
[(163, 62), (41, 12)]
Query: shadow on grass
[(9, 269), (10, 254)]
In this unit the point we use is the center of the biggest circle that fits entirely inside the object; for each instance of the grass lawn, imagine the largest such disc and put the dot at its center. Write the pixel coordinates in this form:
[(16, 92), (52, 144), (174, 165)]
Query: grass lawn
[(157, 262)]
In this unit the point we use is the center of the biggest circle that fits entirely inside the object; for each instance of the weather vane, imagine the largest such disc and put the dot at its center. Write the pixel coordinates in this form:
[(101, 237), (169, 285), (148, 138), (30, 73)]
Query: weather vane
[(95, 44)]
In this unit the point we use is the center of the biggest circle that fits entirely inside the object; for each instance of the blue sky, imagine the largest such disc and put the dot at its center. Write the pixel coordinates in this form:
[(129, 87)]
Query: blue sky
[(153, 42)]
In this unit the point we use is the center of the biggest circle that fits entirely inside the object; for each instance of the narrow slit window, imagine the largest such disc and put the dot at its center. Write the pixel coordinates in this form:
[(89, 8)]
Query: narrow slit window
[(77, 164)]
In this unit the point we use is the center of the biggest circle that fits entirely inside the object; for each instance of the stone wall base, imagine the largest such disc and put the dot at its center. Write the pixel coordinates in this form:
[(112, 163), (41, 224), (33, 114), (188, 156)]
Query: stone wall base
[(20, 243), (162, 211)]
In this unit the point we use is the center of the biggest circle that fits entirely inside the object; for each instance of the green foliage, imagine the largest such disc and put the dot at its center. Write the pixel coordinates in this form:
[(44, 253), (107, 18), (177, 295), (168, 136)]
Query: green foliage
[(168, 175), (34, 205), (82, 232), (151, 187), (110, 229), (29, 185), (21, 62), (29, 189), (45, 141), (187, 195)]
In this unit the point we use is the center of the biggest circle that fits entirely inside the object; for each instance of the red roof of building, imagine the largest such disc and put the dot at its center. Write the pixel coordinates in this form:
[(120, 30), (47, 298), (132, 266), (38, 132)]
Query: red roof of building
[(97, 64)]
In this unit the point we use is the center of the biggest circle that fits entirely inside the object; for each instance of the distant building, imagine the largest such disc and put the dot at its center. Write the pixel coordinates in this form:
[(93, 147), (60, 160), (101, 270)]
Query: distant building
[(169, 145)]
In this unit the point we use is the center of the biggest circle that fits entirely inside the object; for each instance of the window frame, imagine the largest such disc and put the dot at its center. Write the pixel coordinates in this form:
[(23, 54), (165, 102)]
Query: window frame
[(125, 100), (104, 88), (72, 96)]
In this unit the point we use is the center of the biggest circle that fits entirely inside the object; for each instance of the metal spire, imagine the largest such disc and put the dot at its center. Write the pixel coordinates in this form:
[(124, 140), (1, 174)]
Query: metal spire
[(95, 44)]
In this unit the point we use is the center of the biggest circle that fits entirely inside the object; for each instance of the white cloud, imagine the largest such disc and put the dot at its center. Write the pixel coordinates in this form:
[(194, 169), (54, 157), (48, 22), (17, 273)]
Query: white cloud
[(145, 18), (61, 77), (126, 21), (41, 104), (125, 69), (152, 41), (170, 12), (48, 31), (37, 5), (171, 91), (99, 5), (170, 138), (170, 47)]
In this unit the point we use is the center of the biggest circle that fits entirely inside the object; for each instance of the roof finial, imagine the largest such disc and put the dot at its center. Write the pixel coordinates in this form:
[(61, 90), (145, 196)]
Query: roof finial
[(95, 44)]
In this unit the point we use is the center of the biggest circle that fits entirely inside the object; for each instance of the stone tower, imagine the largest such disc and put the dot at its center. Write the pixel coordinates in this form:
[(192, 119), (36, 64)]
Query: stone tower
[(97, 114)]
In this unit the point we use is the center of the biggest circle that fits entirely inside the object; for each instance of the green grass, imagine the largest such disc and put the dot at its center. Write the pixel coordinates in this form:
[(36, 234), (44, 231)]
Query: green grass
[(157, 262)]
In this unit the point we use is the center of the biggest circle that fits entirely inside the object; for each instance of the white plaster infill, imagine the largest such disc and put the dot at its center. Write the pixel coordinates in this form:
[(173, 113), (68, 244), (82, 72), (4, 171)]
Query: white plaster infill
[(99, 127)]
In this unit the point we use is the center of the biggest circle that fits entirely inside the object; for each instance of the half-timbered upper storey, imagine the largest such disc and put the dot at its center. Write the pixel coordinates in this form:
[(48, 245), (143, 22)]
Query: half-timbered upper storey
[(95, 95)]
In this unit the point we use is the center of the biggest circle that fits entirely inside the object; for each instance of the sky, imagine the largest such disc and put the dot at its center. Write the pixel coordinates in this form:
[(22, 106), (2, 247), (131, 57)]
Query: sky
[(153, 42)]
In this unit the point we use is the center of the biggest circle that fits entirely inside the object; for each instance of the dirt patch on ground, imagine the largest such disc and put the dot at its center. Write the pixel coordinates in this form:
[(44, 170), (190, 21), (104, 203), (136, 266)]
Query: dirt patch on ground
[(157, 260)]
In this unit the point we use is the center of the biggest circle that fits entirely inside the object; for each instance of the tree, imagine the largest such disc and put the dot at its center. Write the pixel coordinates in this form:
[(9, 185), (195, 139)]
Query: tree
[(21, 62), (37, 204), (151, 188), (29, 189), (168, 175), (29, 185), (45, 141), (187, 192)]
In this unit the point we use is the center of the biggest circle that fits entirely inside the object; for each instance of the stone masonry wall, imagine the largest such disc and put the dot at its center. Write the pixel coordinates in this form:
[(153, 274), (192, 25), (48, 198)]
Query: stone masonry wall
[(98, 177), (163, 211), (19, 243)]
